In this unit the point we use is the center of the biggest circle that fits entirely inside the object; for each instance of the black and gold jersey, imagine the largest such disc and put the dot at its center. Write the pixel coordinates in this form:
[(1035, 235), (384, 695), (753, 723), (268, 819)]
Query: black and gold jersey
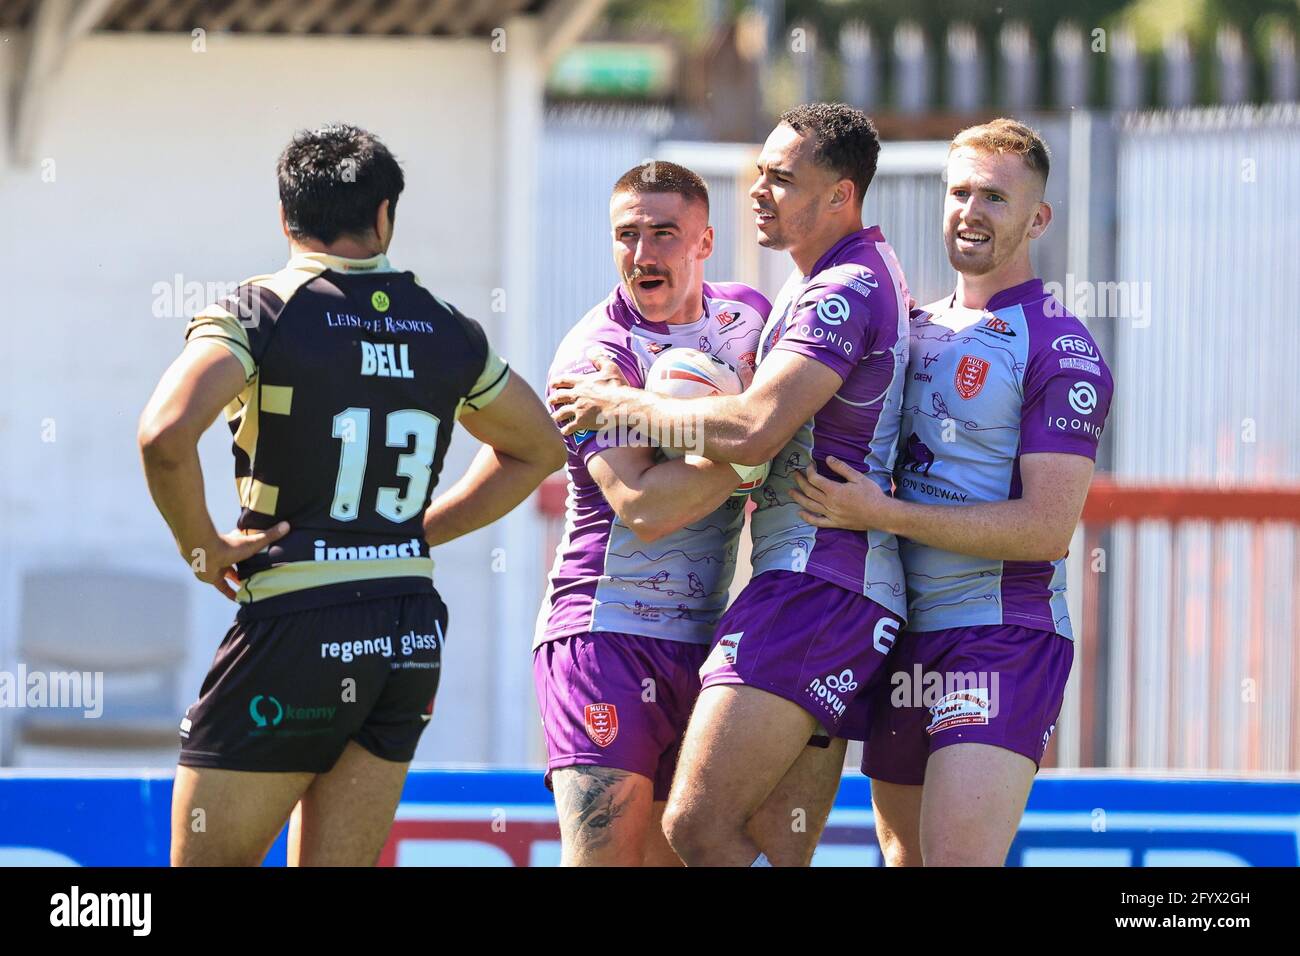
[(356, 375)]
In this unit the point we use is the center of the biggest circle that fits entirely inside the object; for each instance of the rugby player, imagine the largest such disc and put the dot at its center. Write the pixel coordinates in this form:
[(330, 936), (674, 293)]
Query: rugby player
[(649, 550), (341, 380), (805, 636), (1006, 399)]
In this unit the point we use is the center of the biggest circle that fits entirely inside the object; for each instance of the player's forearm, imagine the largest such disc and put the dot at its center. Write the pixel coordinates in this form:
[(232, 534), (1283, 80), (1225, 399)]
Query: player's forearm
[(1001, 530), (175, 480), (670, 495), (723, 428), (492, 487)]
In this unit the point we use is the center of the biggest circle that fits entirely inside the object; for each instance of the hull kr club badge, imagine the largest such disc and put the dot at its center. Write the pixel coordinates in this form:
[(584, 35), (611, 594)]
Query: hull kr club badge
[(971, 373), (602, 723)]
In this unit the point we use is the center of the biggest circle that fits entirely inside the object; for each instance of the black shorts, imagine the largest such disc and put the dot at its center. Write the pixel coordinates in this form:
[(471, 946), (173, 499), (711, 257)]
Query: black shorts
[(286, 693)]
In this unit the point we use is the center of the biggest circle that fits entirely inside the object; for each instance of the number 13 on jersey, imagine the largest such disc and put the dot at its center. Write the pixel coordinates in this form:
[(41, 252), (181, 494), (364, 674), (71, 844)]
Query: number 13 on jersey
[(352, 427)]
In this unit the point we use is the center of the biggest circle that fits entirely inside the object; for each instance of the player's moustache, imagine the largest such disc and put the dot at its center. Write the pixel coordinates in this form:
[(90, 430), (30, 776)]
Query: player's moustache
[(649, 272)]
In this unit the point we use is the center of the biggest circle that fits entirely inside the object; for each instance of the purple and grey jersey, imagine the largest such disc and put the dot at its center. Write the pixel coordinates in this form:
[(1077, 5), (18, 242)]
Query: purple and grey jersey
[(604, 577), (984, 387), (850, 315)]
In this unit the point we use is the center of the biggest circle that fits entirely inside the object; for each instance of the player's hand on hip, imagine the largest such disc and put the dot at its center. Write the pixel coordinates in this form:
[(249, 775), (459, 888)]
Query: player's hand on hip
[(214, 563), (856, 503), (585, 401)]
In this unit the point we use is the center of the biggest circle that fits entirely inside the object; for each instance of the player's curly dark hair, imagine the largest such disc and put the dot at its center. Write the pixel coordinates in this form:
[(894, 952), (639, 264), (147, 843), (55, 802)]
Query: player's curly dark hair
[(332, 180), (846, 140)]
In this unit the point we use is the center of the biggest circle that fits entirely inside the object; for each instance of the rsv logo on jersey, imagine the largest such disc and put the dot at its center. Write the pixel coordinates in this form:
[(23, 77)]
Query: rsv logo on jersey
[(381, 360)]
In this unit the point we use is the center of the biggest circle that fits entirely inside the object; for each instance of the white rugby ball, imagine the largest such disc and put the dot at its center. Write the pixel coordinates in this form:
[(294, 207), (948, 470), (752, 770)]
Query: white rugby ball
[(690, 373)]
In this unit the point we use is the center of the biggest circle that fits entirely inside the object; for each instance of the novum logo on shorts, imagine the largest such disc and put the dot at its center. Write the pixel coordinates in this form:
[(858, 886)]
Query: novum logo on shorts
[(831, 692)]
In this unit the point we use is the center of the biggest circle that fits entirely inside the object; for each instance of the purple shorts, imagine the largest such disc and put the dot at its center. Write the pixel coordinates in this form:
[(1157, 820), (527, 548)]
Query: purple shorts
[(805, 639), (991, 684), (617, 700)]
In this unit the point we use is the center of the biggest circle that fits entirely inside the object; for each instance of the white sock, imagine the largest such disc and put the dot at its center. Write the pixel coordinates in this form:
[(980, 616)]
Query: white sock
[(762, 860)]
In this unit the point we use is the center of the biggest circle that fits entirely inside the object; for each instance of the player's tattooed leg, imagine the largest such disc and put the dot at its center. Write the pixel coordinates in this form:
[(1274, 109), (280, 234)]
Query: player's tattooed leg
[(604, 813)]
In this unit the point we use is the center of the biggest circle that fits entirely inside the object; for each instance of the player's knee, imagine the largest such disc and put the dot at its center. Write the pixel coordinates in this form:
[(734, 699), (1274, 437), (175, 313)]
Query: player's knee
[(692, 832)]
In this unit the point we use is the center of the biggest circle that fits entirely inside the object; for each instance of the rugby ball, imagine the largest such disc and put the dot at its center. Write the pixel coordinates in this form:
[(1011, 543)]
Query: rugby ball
[(690, 373)]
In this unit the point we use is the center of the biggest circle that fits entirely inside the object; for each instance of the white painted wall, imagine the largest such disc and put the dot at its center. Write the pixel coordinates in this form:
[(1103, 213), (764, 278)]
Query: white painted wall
[(163, 163)]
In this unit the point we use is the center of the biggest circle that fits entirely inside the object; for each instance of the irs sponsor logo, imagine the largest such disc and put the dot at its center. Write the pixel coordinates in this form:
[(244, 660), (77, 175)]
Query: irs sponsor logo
[(367, 552), (831, 691), (1076, 345), (1083, 398), (1081, 365), (832, 309), (961, 708), (382, 361), (726, 318), (654, 348), (998, 327), (971, 374), (601, 721)]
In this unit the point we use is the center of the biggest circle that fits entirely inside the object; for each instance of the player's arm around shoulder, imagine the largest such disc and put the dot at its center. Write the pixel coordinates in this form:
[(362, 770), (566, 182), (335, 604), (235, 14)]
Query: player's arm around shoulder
[(788, 389), (804, 369), (654, 499)]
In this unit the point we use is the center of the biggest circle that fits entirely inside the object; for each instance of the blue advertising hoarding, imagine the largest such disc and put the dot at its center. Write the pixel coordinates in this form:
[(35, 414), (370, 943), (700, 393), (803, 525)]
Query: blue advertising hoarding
[(505, 818)]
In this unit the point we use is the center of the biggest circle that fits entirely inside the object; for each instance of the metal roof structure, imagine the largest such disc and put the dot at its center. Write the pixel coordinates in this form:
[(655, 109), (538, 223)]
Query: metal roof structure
[(330, 17)]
